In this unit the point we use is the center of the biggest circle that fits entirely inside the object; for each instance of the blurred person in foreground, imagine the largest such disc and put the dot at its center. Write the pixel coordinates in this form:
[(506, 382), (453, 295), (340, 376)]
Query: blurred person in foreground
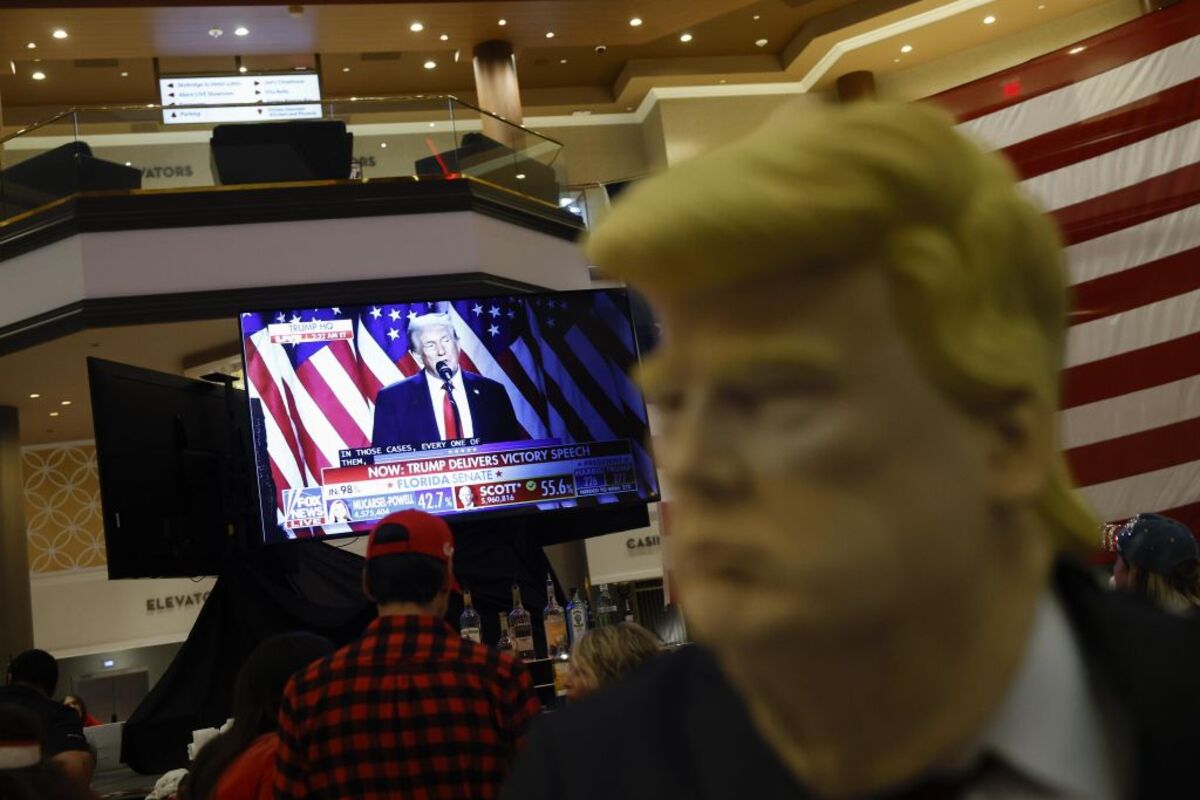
[(863, 329), (240, 763), (24, 773), (30, 683), (604, 656), (411, 709), (1158, 558)]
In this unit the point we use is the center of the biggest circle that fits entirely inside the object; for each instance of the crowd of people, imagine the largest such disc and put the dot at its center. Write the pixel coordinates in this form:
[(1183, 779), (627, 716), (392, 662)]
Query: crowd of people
[(871, 531)]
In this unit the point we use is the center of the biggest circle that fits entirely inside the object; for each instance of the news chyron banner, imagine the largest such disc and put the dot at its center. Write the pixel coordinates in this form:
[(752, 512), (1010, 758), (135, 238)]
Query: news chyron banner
[(465, 406), (466, 476)]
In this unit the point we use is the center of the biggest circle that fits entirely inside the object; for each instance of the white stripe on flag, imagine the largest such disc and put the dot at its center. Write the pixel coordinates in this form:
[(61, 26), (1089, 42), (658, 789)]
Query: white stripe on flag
[(319, 429), (377, 361), (574, 396), (1161, 489), (604, 371), (277, 446), (483, 359), (1095, 177), (272, 356), (344, 388), (1130, 413), (1132, 330), (1127, 248), (1091, 97)]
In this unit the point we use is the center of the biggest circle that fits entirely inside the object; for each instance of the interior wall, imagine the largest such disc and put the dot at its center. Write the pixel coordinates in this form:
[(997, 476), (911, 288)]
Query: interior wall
[(601, 153), (694, 126), (154, 660)]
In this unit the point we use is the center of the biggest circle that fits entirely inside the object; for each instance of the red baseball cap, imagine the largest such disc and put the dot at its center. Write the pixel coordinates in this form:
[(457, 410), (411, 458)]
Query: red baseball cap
[(413, 531)]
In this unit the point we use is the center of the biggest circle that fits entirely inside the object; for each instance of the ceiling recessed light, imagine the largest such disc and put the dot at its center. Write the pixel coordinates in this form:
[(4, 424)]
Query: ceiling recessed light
[(629, 108), (32, 45), (66, 402), (562, 61), (38, 76), (760, 43), (635, 21), (758, 16), (433, 124), (906, 48), (721, 81), (241, 30), (1041, 8), (989, 19), (502, 22), (129, 163), (383, 145), (345, 69), (896, 60), (149, 105), (1076, 50), (216, 33), (520, 176), (549, 34), (59, 33), (430, 64), (54, 413), (445, 37), (301, 69), (124, 74), (34, 396), (243, 69), (685, 37), (416, 27)]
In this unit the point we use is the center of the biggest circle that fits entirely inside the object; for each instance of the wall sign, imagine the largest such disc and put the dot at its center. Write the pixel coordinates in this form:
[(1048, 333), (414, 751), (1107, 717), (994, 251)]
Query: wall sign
[(173, 602)]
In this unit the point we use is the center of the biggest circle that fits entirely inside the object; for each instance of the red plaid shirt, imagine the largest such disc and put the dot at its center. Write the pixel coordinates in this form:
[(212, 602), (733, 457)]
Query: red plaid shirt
[(409, 710)]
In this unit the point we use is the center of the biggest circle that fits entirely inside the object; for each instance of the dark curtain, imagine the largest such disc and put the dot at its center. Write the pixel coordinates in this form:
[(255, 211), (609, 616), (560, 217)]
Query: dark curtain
[(311, 586)]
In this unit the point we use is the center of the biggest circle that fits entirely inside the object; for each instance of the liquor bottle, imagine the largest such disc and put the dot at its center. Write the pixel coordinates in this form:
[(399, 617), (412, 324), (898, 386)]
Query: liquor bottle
[(469, 624), (562, 667), (504, 643), (606, 608), (577, 616), (628, 607), (555, 621), (520, 627), (589, 603)]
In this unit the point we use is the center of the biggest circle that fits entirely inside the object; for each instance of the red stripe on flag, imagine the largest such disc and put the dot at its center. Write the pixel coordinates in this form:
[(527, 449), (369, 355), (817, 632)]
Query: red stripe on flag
[(1145, 451), (331, 406), (516, 373), (280, 483), (465, 362), (407, 365), (1124, 126), (1113, 48), (1189, 515), (1139, 286), (1133, 205), (264, 384), (1133, 371), (312, 453), (345, 355)]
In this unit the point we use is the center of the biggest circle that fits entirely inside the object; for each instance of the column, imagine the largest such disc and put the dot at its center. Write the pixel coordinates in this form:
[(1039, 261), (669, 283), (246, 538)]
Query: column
[(16, 616), (854, 86), (497, 90)]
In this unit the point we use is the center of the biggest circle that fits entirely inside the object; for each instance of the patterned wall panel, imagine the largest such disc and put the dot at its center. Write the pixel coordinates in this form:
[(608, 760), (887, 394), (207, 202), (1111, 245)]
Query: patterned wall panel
[(62, 508)]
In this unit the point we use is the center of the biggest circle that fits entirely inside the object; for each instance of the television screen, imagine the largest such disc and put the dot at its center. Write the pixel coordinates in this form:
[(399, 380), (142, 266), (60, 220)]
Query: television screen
[(473, 407)]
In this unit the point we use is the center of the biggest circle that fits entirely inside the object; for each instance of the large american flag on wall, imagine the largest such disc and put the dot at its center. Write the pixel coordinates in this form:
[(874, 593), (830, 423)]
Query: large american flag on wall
[(564, 360), (1106, 135)]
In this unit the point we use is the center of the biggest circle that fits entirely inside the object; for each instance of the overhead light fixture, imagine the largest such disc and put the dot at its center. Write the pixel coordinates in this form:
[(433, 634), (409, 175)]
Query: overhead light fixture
[(433, 124), (502, 22), (34, 396), (241, 30), (124, 74), (129, 163), (629, 108), (636, 21), (1041, 8), (38, 76), (66, 402), (32, 45), (685, 37), (757, 16), (431, 64), (54, 413), (216, 33), (562, 61), (906, 48), (520, 176), (59, 33), (416, 27), (300, 69), (383, 145), (760, 43), (445, 37), (149, 105), (457, 55), (242, 69), (896, 60), (1076, 50), (989, 19), (721, 81), (549, 34)]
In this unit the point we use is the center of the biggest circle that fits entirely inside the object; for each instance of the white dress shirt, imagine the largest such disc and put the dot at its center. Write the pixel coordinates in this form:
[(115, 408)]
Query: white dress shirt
[(437, 396)]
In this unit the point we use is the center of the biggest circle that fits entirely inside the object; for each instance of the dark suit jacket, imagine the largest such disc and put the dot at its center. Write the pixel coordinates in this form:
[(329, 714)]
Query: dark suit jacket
[(678, 730), (404, 415)]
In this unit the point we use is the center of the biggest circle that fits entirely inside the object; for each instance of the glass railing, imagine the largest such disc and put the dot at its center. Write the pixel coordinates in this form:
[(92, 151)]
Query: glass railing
[(148, 148)]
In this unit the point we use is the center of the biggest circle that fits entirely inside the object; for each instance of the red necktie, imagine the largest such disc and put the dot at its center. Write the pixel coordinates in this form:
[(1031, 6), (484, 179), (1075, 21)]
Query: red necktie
[(450, 412)]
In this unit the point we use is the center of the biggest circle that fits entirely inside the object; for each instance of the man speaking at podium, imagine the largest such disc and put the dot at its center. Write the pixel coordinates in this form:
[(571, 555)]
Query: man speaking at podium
[(442, 401)]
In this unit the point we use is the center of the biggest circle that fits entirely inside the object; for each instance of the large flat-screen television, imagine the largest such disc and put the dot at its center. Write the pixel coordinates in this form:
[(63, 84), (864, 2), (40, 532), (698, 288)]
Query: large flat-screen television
[(472, 408)]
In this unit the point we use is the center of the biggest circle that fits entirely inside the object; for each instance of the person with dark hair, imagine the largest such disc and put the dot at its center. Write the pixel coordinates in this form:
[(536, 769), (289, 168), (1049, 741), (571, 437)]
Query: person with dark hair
[(30, 683), (411, 709), (240, 763), (24, 773), (76, 703), (1158, 558)]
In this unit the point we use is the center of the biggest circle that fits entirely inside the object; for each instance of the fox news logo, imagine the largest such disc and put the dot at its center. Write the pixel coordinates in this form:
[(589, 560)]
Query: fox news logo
[(303, 508)]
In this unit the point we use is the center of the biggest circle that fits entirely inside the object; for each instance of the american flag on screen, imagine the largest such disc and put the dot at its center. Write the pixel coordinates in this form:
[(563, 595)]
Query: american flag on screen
[(564, 360), (1106, 135)]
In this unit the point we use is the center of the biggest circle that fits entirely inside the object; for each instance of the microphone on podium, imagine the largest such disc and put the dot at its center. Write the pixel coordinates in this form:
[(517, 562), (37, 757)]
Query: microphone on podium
[(443, 369)]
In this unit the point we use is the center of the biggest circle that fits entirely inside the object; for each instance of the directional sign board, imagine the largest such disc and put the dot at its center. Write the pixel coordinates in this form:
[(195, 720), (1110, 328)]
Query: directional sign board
[(191, 116), (228, 90)]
